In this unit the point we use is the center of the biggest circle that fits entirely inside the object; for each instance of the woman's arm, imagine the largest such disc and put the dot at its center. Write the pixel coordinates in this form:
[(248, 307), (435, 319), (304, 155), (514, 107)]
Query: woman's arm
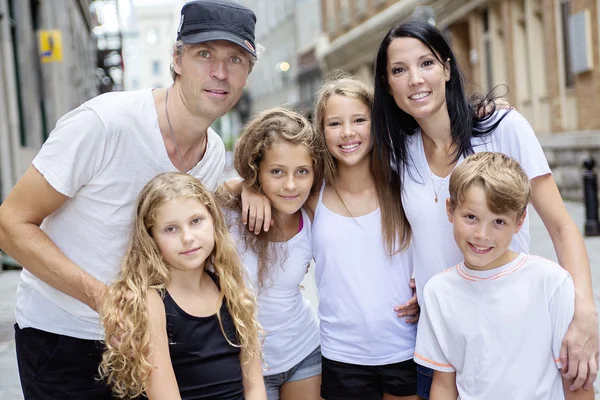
[(577, 394), (443, 386), (254, 384), (162, 385), (579, 352)]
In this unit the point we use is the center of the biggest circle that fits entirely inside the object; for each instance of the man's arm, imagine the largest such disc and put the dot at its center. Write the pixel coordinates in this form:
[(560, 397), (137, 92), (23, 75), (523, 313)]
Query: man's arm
[(443, 386), (21, 214)]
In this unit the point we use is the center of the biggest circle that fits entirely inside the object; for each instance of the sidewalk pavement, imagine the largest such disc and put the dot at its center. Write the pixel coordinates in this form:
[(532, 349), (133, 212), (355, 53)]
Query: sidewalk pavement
[(9, 377)]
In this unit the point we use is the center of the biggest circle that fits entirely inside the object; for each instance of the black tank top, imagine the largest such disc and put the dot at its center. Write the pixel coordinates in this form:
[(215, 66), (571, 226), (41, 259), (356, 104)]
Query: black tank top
[(206, 365)]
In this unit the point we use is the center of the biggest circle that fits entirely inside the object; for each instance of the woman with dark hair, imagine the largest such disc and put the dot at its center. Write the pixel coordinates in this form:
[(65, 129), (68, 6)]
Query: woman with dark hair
[(424, 125)]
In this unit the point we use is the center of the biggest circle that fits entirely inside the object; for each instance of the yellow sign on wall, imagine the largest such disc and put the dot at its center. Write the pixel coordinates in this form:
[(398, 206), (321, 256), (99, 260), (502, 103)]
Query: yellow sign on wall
[(50, 45)]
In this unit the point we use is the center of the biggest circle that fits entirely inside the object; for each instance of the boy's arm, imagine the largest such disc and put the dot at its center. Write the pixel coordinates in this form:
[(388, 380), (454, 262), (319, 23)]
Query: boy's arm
[(254, 384), (443, 386), (163, 384)]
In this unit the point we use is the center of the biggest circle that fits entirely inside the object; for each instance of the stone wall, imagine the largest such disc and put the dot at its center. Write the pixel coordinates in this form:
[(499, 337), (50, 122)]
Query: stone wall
[(565, 153)]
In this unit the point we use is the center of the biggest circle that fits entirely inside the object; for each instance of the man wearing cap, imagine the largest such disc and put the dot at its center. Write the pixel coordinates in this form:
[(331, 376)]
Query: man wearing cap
[(67, 220)]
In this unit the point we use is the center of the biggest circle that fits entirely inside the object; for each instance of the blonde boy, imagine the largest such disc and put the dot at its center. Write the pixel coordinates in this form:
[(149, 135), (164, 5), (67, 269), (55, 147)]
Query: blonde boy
[(491, 327)]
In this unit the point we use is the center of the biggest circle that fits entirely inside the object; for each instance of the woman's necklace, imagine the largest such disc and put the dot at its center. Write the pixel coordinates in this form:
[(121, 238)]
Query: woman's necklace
[(444, 176), (173, 136), (437, 192)]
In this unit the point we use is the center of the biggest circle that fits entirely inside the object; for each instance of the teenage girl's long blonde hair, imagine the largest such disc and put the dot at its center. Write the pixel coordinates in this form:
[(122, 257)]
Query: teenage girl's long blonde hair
[(127, 367), (395, 227), (261, 133)]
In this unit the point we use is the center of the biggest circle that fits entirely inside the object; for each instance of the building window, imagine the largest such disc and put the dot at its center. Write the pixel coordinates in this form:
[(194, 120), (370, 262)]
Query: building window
[(345, 13), (487, 49), (152, 36), (156, 67), (361, 8), (565, 11), (331, 17)]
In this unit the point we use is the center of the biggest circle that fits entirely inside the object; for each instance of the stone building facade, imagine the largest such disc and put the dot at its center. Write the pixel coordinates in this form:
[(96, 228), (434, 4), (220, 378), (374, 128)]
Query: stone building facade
[(33, 94)]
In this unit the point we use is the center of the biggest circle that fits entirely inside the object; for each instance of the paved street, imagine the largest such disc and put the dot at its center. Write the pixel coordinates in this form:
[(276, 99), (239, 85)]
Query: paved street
[(9, 379)]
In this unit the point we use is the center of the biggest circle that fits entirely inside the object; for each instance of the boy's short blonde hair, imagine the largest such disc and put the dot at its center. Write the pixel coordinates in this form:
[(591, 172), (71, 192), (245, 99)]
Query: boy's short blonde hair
[(504, 182)]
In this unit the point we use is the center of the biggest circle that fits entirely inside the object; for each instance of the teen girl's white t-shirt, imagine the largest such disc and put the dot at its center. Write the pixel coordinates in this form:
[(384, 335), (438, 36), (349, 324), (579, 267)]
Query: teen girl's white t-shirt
[(291, 327), (100, 155), (501, 330), (433, 246), (359, 285)]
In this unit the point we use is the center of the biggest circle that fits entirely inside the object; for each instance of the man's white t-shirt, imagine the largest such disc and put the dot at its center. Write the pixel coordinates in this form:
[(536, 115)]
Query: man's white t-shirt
[(100, 155), (433, 246), (500, 330), (291, 326)]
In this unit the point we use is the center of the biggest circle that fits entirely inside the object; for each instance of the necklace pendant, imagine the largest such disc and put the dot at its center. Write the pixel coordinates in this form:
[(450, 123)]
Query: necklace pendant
[(436, 199)]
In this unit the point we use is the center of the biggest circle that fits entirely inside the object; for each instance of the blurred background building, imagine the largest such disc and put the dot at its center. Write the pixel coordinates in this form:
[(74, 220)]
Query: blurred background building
[(546, 52), (51, 61)]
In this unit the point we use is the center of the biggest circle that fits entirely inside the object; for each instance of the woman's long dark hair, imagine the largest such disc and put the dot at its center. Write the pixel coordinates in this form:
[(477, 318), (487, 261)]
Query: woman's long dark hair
[(392, 126)]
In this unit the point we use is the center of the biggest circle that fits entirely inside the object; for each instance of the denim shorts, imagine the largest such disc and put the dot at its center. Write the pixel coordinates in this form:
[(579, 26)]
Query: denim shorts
[(307, 368), (424, 380)]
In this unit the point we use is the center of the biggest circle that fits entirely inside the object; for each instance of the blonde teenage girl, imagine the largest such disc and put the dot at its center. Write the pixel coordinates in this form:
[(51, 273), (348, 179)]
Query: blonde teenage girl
[(359, 236), (280, 156), (180, 306)]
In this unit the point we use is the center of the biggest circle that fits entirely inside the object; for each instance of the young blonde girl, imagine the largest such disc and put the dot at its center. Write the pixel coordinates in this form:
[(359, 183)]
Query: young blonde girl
[(280, 155), (180, 308)]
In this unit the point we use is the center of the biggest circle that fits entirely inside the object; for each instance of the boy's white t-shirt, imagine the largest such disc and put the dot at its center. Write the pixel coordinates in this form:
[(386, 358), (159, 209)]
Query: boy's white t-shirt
[(291, 326), (433, 246), (100, 155), (500, 330)]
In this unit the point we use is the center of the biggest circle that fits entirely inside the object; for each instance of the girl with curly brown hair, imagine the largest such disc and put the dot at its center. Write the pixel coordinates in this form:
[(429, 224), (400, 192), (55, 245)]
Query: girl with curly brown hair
[(280, 155)]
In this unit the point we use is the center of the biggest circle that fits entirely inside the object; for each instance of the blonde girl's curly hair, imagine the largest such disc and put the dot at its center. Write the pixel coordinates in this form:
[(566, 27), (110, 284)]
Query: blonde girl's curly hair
[(124, 312), (261, 133)]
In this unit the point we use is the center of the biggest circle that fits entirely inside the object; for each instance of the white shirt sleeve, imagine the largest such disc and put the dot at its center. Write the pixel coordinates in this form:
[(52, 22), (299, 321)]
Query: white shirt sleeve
[(561, 308), (515, 137), (74, 152), (428, 350)]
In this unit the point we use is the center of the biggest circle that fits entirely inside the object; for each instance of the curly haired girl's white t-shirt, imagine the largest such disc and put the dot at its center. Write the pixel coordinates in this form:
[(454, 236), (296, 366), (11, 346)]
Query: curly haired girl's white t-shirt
[(290, 324), (433, 246), (100, 155)]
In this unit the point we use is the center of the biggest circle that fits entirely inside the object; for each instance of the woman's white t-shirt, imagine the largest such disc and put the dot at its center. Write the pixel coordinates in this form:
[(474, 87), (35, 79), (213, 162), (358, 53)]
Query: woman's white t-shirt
[(433, 246)]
